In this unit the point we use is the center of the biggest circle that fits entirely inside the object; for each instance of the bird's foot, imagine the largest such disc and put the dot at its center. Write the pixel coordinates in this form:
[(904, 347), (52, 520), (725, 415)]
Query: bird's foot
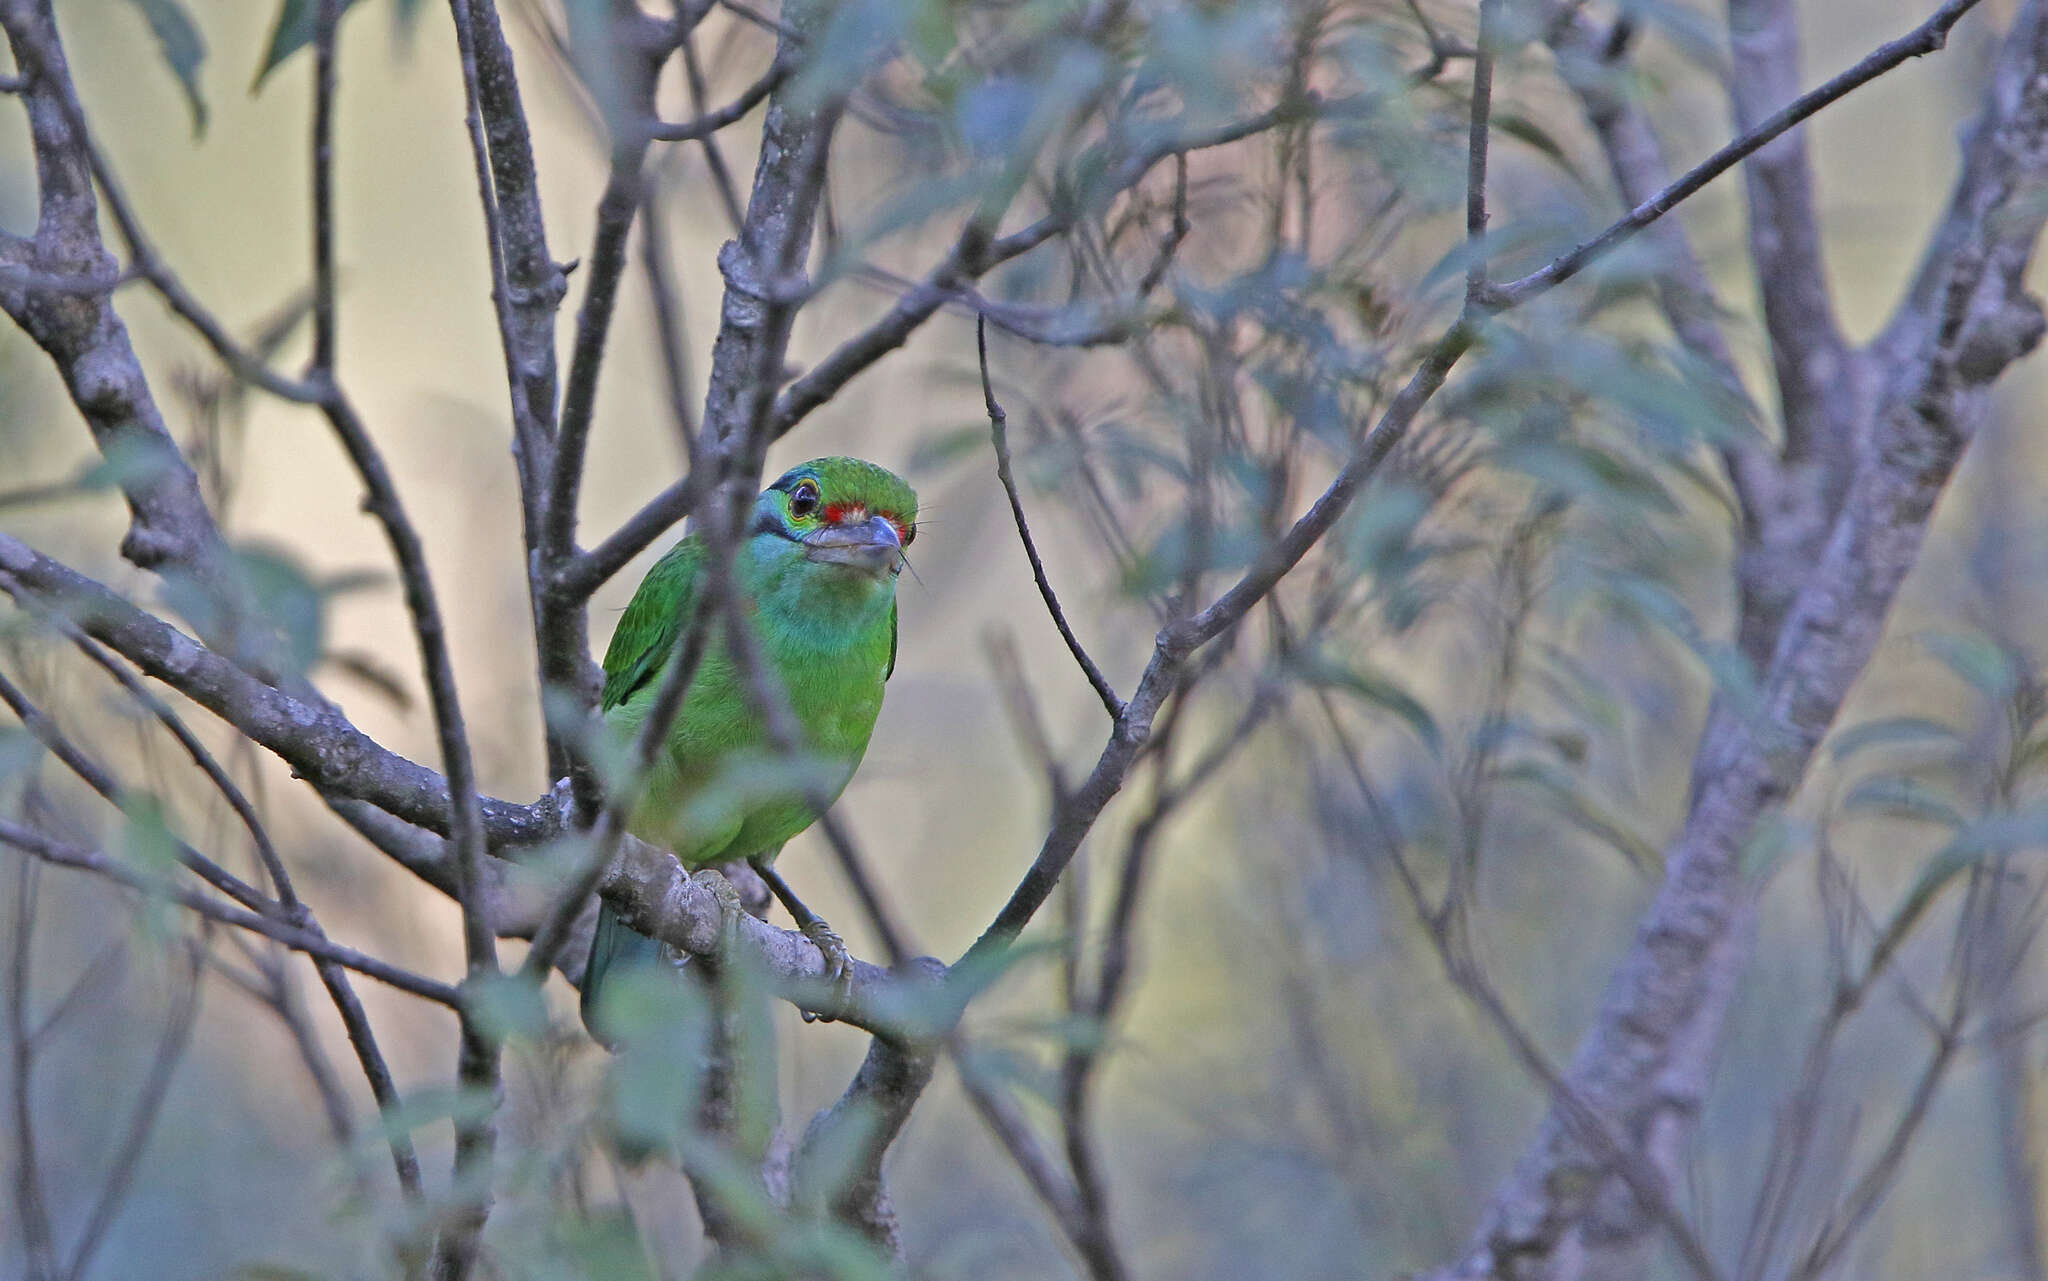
[(838, 966), (731, 907)]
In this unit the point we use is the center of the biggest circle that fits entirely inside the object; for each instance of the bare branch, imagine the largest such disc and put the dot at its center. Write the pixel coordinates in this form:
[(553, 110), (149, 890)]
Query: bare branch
[(1779, 538), (170, 527), (57, 852), (874, 1106), (1929, 37), (534, 283), (1808, 351), (31, 1207), (355, 1021), (101, 781), (591, 570), (999, 436), (170, 1052), (1476, 148), (714, 158), (320, 744), (710, 122)]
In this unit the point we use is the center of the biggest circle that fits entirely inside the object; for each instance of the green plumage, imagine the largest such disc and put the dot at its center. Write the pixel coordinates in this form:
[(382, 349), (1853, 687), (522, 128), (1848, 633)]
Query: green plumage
[(817, 578)]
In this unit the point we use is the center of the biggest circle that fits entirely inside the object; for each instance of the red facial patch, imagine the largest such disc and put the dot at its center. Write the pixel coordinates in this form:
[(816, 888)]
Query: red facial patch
[(854, 513)]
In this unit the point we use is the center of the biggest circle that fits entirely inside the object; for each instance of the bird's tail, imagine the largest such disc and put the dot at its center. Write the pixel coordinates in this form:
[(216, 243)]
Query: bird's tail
[(615, 949)]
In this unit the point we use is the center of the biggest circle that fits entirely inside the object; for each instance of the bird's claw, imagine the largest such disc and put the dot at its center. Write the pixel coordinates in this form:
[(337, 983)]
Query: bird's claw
[(838, 966)]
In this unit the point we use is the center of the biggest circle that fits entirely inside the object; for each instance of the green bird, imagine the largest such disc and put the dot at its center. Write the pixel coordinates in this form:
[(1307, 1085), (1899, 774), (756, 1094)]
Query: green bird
[(816, 576)]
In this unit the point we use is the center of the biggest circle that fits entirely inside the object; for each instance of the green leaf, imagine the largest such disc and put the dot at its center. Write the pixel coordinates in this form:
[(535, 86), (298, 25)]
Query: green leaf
[(2030, 757), (1380, 691), (1584, 812), (20, 751), (1588, 473), (1901, 797), (405, 16), (184, 50), (833, 1155), (278, 590), (147, 844), (1890, 731), (508, 1006), (935, 452), (288, 596), (1987, 838), (1530, 134), (1769, 842), (292, 32), (604, 1244), (1977, 659), (146, 838)]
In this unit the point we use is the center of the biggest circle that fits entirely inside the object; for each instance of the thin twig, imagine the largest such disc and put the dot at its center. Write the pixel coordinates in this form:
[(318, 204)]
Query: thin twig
[(1477, 147), (670, 341), (51, 850), (31, 1208), (998, 430), (478, 1055), (355, 1021), (709, 122), (177, 1034), (100, 780), (594, 568), (714, 159), (1926, 38)]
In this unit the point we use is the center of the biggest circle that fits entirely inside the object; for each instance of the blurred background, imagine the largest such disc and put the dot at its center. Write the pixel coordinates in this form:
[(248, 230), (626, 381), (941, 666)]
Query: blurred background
[(1294, 1090)]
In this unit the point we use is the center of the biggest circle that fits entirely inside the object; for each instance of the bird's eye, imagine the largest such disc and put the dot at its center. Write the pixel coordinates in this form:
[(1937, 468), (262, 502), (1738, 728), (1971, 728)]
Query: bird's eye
[(910, 533), (803, 500)]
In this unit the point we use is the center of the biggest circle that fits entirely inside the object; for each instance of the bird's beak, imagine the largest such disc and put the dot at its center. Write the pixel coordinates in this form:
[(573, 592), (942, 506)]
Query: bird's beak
[(873, 545)]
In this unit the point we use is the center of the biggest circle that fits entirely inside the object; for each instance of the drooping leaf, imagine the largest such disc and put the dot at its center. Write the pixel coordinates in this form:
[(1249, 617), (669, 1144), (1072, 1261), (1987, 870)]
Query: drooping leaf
[(1383, 692), (290, 598), (292, 32), (183, 49), (1584, 812), (937, 451), (1588, 473), (1988, 837), (1649, 602), (1891, 731), (20, 752), (1899, 796), (509, 1006), (1530, 134), (1977, 659), (405, 16)]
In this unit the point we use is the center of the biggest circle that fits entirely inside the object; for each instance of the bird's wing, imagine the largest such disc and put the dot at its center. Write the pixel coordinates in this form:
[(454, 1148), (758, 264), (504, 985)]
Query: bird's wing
[(653, 621), (891, 669)]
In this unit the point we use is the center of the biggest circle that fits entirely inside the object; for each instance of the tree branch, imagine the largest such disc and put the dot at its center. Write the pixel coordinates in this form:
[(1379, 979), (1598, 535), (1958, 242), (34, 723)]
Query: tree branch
[(1643, 1064), (999, 437), (1807, 348), (49, 850)]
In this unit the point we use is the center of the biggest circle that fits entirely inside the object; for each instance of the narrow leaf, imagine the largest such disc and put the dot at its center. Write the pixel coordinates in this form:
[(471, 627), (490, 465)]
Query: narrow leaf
[(292, 32), (183, 48), (1891, 731), (1902, 797)]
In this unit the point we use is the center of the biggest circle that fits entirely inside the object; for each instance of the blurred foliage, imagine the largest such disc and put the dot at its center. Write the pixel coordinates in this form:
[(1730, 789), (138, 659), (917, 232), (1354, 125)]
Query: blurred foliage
[(1482, 693)]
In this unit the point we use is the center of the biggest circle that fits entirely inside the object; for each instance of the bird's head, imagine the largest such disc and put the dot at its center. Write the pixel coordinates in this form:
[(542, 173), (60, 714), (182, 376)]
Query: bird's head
[(843, 512)]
